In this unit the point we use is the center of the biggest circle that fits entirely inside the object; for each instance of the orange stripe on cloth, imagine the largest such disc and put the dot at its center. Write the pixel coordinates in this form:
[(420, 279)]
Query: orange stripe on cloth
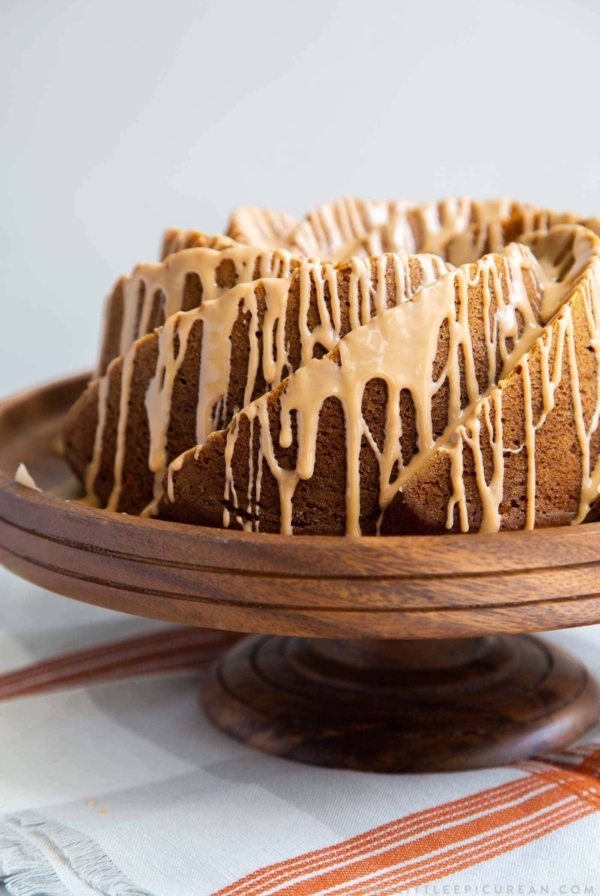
[(589, 760), (407, 852), (433, 843), (574, 755), (570, 779), (172, 650), (583, 759), (388, 834), (590, 765), (463, 857)]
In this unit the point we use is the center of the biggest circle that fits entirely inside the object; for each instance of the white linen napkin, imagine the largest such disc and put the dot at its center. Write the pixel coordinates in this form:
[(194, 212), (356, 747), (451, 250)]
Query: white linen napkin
[(126, 788)]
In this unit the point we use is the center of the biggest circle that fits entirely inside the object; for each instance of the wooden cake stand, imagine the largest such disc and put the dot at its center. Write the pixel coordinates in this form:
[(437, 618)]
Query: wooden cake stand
[(391, 655)]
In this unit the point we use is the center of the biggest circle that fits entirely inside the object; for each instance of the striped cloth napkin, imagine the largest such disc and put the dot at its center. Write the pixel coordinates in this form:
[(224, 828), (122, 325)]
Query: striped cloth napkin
[(113, 782)]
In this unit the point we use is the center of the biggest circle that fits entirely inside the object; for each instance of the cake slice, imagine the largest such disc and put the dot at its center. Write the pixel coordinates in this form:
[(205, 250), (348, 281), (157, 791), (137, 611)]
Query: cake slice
[(143, 301), (324, 452), (175, 386), (529, 454)]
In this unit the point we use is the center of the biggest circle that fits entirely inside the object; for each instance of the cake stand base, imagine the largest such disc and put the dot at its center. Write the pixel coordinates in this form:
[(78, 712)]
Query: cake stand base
[(401, 706)]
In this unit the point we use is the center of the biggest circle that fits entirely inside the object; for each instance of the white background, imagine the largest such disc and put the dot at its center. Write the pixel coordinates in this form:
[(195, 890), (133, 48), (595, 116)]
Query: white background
[(119, 119)]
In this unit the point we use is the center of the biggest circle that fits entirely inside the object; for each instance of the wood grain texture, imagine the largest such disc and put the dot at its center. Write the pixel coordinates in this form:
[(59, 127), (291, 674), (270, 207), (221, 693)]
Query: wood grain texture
[(393, 706), (409, 587), (378, 697)]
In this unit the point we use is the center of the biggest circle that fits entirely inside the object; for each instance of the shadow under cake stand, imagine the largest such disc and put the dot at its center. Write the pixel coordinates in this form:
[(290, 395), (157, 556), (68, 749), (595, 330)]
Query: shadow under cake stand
[(393, 655)]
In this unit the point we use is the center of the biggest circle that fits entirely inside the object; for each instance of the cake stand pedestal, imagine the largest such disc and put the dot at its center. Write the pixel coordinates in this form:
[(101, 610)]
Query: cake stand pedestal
[(389, 655), (400, 706)]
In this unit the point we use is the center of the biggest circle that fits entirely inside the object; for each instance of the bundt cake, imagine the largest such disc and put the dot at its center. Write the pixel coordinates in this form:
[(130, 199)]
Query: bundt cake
[(172, 388), (380, 368), (388, 393), (341, 420)]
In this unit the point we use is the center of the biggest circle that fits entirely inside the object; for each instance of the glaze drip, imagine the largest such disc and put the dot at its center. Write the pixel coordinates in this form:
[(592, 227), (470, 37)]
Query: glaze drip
[(170, 278), (269, 263), (261, 227), (366, 227), (556, 354), (336, 226), (357, 290), (505, 283)]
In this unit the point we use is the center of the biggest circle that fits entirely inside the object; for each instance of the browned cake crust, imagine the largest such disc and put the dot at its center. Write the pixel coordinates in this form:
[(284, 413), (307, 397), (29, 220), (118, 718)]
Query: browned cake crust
[(113, 454), (174, 241), (350, 226), (113, 324), (199, 489)]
